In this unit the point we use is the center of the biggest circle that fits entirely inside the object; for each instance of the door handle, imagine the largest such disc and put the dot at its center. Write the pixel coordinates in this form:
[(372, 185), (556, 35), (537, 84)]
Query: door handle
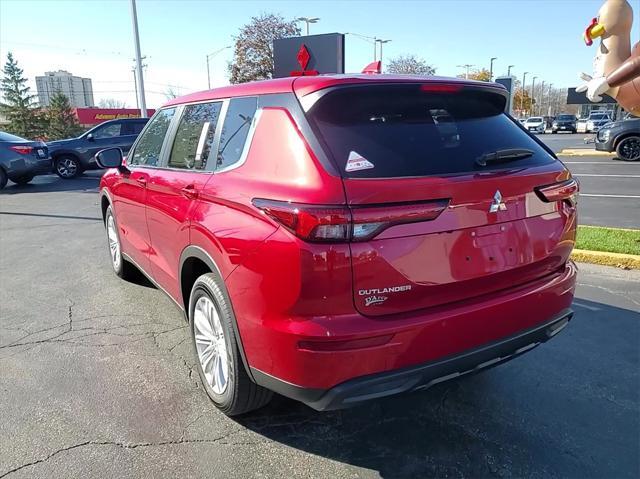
[(142, 180), (189, 192)]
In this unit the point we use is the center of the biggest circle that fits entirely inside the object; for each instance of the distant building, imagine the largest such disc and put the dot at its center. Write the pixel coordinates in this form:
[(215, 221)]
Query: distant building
[(78, 90)]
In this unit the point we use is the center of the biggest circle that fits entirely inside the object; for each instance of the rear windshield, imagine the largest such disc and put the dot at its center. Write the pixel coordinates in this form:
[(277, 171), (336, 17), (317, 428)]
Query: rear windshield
[(9, 137), (405, 130)]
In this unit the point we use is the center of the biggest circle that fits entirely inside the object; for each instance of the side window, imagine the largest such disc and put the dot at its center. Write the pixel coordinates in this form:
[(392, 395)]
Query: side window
[(107, 131), (131, 128), (235, 130), (147, 151), (137, 127), (194, 136)]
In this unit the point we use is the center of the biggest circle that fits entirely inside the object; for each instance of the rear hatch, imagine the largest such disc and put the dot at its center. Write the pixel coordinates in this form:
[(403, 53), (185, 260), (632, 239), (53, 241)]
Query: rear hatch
[(445, 193)]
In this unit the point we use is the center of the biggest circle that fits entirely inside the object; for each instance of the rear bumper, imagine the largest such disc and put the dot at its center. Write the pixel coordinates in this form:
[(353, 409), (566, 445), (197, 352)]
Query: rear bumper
[(374, 386), (28, 166)]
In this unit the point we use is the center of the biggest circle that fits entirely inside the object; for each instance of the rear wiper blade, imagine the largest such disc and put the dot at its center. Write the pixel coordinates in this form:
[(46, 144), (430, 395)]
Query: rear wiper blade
[(503, 156)]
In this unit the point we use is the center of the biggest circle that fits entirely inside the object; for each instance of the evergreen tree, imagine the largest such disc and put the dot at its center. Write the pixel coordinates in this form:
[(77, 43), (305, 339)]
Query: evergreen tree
[(61, 120), (18, 105)]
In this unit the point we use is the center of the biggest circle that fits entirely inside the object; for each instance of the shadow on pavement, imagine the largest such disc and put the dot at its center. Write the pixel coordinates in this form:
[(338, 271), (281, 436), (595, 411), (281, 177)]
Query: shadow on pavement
[(569, 409), (86, 183)]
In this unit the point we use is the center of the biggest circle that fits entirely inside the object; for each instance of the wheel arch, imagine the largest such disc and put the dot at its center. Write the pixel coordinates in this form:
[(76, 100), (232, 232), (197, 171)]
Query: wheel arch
[(194, 262), (623, 136), (105, 202)]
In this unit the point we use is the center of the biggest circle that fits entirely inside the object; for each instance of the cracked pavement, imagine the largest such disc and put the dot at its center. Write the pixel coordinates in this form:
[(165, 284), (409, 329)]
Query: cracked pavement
[(97, 380)]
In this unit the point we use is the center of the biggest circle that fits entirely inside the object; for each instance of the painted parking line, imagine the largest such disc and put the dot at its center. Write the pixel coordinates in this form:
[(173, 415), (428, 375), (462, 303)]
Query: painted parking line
[(608, 196), (608, 176), (627, 163)]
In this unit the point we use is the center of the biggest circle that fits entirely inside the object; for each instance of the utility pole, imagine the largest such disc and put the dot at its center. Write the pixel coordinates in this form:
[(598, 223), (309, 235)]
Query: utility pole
[(381, 42), (491, 68), (524, 79), (135, 85), (467, 66), (211, 55), (140, 80), (533, 98), (308, 20), (509, 70)]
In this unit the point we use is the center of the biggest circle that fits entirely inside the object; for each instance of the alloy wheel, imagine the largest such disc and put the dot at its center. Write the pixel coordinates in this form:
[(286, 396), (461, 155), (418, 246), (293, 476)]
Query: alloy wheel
[(630, 149), (67, 167), (211, 344), (114, 242)]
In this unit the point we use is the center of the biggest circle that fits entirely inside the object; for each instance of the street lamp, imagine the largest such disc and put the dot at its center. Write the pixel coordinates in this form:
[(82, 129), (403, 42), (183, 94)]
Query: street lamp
[(308, 20), (491, 68), (381, 42), (509, 70), (524, 80), (541, 96), (533, 88), (211, 55), (136, 41), (467, 66), (550, 90)]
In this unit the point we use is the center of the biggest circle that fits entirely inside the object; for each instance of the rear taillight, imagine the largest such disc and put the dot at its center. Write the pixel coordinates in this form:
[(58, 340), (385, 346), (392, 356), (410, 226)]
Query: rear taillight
[(563, 191), (340, 223), (23, 150)]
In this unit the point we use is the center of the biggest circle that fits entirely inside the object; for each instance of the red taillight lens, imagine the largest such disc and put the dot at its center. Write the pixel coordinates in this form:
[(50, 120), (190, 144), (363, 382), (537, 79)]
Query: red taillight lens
[(23, 150), (340, 223), (440, 88), (565, 190)]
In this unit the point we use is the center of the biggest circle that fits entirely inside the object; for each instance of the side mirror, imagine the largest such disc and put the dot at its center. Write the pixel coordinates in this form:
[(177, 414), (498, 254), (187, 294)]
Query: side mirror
[(90, 137), (109, 158)]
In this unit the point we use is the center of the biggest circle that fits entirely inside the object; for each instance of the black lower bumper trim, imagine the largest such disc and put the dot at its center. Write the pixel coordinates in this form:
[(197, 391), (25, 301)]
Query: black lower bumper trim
[(419, 377)]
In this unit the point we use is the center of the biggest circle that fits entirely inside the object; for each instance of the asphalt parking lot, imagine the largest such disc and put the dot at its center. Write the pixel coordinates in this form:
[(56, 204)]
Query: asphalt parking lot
[(97, 380), (609, 188)]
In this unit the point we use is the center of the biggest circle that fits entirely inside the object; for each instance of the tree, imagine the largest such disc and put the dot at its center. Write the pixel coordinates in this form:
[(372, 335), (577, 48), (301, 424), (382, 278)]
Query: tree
[(253, 50), (18, 105), (481, 74), (409, 65), (111, 103), (61, 120)]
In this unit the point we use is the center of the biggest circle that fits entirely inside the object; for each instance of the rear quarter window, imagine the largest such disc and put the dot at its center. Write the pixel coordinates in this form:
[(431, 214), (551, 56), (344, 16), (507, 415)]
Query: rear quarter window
[(403, 131)]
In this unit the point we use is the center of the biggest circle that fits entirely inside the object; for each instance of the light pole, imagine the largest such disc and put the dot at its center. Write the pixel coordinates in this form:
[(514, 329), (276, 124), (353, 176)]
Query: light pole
[(373, 40), (524, 80), (509, 70), (491, 68), (467, 66), (533, 87), (211, 55), (308, 20), (381, 42), (541, 96), (550, 89), (136, 39)]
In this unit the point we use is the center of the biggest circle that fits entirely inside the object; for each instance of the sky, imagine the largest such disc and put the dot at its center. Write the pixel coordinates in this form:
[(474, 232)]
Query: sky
[(93, 38)]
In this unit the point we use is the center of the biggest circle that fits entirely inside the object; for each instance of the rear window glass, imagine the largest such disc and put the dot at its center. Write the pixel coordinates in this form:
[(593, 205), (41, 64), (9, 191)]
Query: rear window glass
[(403, 130), (235, 130)]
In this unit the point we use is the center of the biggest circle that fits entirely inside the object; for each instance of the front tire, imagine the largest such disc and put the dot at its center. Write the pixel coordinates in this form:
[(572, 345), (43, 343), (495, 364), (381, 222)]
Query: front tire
[(629, 148), (67, 167), (216, 350), (121, 267)]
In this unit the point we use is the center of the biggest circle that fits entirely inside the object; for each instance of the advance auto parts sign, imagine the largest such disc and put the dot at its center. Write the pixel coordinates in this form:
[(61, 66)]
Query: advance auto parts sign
[(94, 116)]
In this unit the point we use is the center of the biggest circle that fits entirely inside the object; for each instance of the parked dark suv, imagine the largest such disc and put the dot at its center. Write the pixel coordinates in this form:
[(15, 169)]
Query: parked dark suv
[(623, 137), (71, 157), (564, 123)]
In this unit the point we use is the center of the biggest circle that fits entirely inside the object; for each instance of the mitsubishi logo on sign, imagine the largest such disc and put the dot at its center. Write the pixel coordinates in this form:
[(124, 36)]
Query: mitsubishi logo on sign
[(303, 58)]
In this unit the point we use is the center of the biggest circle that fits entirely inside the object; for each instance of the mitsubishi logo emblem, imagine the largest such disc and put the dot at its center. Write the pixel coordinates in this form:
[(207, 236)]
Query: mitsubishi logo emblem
[(497, 204)]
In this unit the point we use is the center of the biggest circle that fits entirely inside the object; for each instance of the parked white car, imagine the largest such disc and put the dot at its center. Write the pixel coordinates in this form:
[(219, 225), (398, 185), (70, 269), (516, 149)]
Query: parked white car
[(581, 125), (535, 124), (597, 121)]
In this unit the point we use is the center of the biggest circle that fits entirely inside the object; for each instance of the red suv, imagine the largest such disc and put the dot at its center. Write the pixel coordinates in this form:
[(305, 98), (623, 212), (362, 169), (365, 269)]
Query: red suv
[(341, 238)]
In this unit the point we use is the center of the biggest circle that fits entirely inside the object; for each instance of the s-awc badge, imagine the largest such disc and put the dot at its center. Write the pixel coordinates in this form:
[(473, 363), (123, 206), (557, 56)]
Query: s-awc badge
[(357, 162)]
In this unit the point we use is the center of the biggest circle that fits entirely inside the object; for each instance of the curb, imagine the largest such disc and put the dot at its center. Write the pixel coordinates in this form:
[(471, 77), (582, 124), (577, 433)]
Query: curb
[(619, 260), (584, 152)]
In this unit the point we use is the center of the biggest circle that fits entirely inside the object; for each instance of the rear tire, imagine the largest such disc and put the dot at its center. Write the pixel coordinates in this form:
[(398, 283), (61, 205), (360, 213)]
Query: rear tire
[(22, 180), (67, 167), (629, 148), (3, 179), (216, 350), (121, 267)]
